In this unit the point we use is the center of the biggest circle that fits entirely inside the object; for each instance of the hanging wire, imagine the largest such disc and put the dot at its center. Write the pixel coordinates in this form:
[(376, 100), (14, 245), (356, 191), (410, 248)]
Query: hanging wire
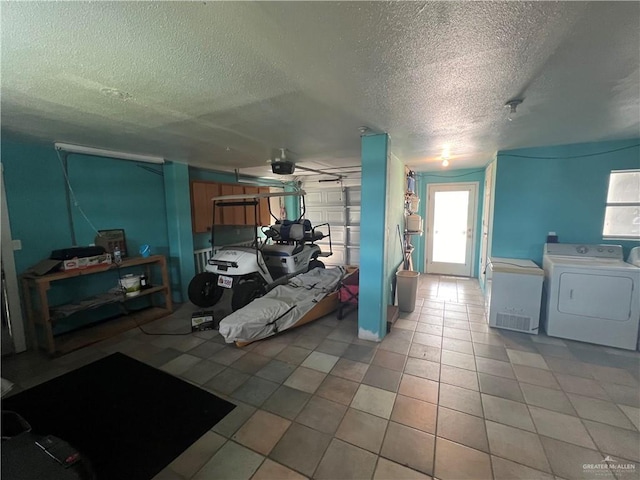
[(533, 157), (571, 156), (152, 170), (73, 195), (426, 174)]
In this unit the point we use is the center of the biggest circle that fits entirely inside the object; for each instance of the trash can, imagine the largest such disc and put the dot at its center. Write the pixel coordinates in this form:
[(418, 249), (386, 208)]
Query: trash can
[(407, 288)]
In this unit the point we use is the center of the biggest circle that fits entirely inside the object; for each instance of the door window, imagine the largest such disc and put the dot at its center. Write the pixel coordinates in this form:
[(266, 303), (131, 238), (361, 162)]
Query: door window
[(450, 231)]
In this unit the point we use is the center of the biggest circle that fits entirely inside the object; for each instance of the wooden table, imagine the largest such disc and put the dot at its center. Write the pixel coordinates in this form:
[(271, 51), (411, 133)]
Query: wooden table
[(39, 315)]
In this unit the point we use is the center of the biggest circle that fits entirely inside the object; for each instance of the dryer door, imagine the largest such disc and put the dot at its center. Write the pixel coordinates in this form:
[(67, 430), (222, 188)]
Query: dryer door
[(591, 295)]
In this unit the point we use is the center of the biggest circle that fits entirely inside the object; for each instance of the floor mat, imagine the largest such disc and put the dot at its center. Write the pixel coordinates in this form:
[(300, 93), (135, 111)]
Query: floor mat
[(131, 420)]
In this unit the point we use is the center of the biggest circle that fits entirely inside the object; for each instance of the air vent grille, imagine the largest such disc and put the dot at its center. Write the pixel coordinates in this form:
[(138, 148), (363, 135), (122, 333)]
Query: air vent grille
[(514, 322)]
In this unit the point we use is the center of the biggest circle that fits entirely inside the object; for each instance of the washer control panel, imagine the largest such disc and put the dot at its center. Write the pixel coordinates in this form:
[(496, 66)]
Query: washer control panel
[(583, 250)]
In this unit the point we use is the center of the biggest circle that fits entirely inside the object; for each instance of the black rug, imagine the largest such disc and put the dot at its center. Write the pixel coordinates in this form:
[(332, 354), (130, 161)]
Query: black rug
[(129, 419)]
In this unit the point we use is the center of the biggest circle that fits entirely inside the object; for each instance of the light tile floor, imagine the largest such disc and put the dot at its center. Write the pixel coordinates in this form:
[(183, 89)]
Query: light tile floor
[(443, 396)]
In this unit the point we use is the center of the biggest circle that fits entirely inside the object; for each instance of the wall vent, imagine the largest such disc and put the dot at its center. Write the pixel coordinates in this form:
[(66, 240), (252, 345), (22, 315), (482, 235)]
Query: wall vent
[(514, 322)]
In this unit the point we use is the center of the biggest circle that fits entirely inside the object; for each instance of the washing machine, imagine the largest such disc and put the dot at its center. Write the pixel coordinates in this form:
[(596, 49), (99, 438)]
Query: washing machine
[(591, 294)]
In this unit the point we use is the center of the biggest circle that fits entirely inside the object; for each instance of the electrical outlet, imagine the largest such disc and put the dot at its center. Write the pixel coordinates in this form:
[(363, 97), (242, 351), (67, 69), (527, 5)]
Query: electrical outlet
[(16, 244)]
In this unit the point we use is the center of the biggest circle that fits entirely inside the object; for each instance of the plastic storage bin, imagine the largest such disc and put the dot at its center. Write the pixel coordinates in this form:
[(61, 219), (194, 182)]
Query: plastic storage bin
[(407, 289)]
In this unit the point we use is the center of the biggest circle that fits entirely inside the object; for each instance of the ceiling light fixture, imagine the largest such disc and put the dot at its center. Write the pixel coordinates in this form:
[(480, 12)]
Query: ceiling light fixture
[(512, 105), (115, 93), (446, 155), (101, 152)]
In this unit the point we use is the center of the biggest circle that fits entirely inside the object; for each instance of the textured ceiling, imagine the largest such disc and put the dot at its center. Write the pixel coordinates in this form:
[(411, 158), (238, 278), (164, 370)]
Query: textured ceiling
[(219, 85)]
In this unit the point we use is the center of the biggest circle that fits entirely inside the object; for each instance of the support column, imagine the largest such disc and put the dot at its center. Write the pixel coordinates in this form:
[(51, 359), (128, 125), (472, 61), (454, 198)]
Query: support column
[(373, 294), (178, 202), (292, 204)]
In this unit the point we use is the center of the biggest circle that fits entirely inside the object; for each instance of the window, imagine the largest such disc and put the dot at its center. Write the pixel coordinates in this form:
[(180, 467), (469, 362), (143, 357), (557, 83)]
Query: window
[(622, 213)]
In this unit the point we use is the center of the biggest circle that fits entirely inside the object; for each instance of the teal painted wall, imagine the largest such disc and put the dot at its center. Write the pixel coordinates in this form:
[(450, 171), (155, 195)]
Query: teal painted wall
[(35, 188), (423, 180), (211, 176), (112, 193), (567, 195), (396, 188), (374, 292), (291, 204)]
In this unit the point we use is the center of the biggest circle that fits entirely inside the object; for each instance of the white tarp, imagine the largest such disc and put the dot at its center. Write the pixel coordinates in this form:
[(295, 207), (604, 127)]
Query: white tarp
[(282, 307)]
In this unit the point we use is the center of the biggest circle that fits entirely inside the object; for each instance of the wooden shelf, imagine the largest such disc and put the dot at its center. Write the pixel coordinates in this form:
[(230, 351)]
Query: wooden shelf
[(128, 262), (40, 315), (101, 300)]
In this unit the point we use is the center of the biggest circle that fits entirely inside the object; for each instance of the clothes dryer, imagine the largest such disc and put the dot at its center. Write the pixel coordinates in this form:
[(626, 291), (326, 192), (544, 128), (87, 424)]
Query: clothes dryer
[(591, 294)]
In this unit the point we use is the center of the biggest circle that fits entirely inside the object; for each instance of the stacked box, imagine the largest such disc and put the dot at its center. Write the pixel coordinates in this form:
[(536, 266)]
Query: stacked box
[(86, 262)]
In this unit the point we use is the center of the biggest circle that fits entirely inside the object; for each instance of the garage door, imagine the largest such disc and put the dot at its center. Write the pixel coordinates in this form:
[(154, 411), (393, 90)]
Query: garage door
[(340, 207)]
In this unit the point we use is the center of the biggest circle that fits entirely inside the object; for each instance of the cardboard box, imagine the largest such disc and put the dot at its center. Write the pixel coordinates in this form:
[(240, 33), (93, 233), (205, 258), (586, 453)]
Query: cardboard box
[(110, 239), (86, 262)]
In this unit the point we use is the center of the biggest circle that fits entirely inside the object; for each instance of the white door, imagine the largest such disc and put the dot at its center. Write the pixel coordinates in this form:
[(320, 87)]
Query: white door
[(487, 210), (450, 231), (12, 314)]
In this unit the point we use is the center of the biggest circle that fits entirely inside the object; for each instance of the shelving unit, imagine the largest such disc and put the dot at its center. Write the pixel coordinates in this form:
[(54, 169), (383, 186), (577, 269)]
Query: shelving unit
[(41, 315), (411, 202)]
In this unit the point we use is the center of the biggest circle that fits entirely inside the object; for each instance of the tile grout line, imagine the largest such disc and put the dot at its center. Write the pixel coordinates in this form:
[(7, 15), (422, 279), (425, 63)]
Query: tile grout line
[(386, 429), (484, 418), (598, 449), (435, 432)]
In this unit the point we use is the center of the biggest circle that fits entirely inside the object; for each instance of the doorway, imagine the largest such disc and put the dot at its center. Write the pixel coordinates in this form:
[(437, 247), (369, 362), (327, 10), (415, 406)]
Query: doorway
[(487, 220), (451, 228), (13, 334)]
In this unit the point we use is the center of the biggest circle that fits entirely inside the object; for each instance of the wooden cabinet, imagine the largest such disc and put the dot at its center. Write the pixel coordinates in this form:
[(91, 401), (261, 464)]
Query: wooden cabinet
[(202, 206), (249, 212), (232, 215), (41, 316), (264, 217)]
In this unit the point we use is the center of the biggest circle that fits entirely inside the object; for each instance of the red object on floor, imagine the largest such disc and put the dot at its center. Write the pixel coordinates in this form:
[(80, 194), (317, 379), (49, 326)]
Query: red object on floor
[(348, 292)]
